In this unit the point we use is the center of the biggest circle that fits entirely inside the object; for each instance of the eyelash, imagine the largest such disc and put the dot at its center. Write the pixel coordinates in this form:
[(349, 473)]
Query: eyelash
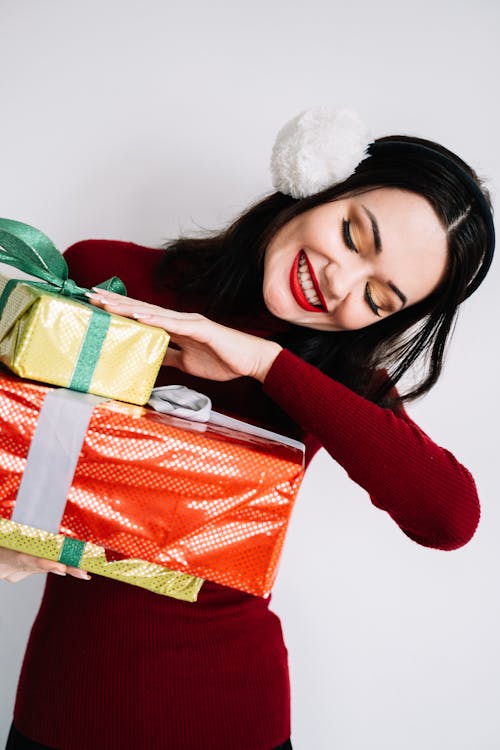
[(371, 302), (346, 232)]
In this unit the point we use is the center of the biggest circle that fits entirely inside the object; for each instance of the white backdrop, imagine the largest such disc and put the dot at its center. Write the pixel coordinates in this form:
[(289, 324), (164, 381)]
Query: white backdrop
[(133, 120)]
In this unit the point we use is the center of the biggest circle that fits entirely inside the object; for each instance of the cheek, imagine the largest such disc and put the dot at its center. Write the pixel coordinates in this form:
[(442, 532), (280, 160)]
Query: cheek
[(353, 316), (274, 292), (273, 261), (277, 266)]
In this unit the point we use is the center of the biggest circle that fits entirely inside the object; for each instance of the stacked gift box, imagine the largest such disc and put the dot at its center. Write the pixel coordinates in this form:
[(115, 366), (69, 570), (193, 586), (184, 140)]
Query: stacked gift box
[(91, 477)]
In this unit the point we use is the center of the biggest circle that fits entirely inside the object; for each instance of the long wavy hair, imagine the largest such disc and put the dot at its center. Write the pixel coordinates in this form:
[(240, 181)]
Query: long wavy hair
[(229, 263)]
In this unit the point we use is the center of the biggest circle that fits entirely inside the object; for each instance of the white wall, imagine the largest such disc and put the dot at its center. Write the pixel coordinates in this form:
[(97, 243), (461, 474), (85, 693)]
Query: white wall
[(134, 119)]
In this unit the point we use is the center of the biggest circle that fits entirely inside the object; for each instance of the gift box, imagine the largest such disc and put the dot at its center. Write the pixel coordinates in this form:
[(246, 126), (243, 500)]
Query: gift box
[(156, 578), (50, 332), (205, 499)]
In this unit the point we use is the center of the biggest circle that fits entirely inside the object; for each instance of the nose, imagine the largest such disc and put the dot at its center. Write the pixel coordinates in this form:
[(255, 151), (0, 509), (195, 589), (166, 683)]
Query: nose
[(343, 277)]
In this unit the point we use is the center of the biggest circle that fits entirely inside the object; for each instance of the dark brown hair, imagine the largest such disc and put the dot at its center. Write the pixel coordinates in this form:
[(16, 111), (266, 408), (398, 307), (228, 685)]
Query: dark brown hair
[(229, 263)]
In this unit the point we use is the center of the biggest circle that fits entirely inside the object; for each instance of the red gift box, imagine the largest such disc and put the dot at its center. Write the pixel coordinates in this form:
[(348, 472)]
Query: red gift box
[(208, 500)]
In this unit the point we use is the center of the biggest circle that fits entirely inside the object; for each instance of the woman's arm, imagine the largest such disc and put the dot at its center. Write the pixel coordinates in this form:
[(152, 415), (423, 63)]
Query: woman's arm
[(429, 494), (422, 486)]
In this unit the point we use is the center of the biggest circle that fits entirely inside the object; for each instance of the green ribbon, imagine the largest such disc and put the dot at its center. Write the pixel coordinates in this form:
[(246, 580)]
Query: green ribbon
[(90, 351), (71, 552), (31, 251)]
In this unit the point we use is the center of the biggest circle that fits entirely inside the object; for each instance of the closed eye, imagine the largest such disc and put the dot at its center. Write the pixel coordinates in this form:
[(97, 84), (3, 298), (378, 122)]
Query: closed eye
[(349, 242), (371, 302), (346, 232)]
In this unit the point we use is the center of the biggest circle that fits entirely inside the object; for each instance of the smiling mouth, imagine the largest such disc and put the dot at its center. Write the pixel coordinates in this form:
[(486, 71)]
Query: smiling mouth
[(304, 285)]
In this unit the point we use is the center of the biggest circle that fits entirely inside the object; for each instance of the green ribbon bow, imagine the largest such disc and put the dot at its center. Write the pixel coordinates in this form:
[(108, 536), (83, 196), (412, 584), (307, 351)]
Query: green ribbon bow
[(31, 251)]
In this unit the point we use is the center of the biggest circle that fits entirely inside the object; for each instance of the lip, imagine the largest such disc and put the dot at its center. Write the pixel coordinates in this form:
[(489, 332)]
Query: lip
[(297, 292)]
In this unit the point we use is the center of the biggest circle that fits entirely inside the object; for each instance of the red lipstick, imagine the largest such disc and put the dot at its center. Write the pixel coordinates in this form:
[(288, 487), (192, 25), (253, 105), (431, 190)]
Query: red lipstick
[(296, 289)]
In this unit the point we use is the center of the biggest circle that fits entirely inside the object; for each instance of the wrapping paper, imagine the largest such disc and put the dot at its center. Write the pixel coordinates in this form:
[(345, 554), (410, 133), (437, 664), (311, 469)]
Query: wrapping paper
[(49, 331), (207, 500), (42, 337), (155, 578)]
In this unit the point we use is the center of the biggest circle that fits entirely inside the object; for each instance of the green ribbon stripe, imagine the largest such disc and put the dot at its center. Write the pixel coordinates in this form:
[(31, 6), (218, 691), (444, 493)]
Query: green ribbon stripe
[(90, 351), (27, 249), (71, 552)]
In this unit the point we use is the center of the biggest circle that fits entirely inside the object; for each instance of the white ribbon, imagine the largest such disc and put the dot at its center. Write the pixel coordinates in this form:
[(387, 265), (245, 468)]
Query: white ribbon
[(181, 401), (184, 402), (60, 433)]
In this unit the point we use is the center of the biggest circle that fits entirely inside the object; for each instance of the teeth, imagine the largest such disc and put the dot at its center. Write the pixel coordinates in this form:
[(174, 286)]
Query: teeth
[(306, 283)]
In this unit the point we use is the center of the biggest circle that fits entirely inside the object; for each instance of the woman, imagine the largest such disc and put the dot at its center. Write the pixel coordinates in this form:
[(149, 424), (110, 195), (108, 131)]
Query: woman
[(302, 316)]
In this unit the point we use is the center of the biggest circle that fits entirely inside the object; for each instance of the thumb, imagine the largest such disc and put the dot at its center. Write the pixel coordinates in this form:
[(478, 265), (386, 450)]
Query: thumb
[(173, 358)]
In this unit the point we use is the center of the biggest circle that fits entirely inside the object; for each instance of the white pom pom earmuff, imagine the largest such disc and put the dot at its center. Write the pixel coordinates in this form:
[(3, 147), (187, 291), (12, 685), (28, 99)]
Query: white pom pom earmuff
[(317, 149)]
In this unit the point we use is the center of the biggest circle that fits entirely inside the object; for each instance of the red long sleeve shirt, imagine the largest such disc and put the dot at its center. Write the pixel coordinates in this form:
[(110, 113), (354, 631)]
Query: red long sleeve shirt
[(112, 666)]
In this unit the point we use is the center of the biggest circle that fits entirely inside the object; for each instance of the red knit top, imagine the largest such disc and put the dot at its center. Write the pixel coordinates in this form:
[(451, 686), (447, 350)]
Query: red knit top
[(109, 665)]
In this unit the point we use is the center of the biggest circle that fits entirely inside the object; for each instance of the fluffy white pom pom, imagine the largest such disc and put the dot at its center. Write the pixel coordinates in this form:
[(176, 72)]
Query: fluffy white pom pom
[(317, 149)]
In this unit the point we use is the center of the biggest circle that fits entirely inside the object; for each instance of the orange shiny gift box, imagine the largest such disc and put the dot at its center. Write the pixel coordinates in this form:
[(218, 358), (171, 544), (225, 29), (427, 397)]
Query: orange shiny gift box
[(205, 499)]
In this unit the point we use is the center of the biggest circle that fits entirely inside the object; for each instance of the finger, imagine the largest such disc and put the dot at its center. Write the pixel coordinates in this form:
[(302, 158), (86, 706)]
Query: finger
[(32, 564), (189, 327), (19, 562), (125, 307), (104, 296), (40, 565), (114, 303), (141, 311), (49, 566), (176, 314), (78, 573), (108, 294), (173, 358)]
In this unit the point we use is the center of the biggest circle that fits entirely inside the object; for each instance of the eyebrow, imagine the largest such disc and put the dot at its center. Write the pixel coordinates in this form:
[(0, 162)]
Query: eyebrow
[(400, 294), (377, 241), (376, 231)]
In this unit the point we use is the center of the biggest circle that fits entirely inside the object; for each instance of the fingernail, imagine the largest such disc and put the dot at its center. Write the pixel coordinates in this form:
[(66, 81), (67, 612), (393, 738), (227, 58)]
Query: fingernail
[(81, 574), (58, 572)]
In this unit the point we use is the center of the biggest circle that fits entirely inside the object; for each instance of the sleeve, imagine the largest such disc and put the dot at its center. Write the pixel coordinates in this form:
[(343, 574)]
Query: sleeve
[(92, 261), (422, 486)]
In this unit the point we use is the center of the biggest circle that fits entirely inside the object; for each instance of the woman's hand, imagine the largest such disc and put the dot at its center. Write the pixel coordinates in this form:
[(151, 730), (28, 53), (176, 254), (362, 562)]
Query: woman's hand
[(204, 348), (14, 566)]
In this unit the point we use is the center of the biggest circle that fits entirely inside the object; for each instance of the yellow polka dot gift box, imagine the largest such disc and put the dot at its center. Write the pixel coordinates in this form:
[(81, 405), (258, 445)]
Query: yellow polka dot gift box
[(49, 332), (95, 559), (211, 500)]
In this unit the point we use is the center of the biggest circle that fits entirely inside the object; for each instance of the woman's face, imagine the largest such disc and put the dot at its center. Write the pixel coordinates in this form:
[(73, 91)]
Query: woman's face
[(348, 264)]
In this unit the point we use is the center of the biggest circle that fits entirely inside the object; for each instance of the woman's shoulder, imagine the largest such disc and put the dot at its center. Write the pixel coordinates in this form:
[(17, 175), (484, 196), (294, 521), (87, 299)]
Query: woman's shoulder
[(94, 260)]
